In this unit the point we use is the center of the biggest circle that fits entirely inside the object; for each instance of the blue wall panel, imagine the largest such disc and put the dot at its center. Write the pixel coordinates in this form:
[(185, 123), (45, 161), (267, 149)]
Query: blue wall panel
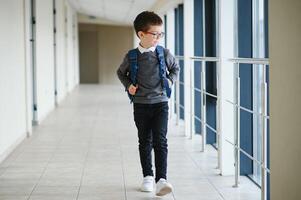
[(176, 48), (181, 53), (245, 73), (179, 50), (210, 43), (198, 51)]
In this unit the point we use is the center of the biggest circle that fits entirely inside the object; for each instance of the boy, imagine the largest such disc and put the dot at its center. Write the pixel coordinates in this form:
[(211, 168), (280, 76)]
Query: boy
[(150, 97)]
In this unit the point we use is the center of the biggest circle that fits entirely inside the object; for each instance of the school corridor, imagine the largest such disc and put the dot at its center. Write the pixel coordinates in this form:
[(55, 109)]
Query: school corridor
[(67, 128)]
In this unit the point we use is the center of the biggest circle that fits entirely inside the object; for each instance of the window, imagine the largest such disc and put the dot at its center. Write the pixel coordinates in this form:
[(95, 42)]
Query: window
[(258, 52), (252, 43), (179, 51)]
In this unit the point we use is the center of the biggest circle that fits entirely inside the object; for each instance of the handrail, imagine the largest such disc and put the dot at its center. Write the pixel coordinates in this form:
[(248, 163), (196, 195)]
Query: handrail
[(260, 61), (256, 62)]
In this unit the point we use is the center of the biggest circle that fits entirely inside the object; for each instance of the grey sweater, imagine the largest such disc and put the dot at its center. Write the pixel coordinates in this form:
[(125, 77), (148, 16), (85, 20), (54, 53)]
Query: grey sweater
[(149, 90)]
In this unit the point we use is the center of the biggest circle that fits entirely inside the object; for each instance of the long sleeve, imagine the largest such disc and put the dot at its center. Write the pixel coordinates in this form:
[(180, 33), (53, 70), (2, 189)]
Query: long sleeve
[(172, 66), (123, 72)]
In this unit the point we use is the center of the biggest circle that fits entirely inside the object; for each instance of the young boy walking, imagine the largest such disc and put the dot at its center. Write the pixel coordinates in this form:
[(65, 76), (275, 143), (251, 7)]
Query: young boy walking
[(147, 74)]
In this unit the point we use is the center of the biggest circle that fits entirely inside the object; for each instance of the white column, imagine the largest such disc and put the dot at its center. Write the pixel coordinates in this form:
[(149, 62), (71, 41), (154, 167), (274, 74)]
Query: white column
[(28, 66), (76, 50), (60, 50), (188, 52), (171, 31), (171, 46), (70, 48), (44, 58), (12, 77), (227, 49)]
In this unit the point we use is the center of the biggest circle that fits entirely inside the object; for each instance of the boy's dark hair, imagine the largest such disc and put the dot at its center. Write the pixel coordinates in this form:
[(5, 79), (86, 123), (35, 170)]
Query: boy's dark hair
[(146, 19)]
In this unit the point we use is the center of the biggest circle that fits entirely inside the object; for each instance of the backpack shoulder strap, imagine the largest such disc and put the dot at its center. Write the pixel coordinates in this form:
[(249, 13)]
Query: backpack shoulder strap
[(162, 70), (133, 54), (160, 54)]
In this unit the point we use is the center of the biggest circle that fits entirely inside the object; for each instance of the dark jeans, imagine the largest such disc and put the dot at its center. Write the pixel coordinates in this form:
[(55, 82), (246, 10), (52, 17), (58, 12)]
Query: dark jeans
[(151, 121)]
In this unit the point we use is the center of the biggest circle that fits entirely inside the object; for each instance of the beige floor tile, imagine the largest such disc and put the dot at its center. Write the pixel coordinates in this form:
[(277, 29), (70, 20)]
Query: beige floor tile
[(87, 149)]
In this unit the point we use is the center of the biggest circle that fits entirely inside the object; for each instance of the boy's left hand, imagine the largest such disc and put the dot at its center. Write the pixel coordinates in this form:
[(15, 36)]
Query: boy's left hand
[(169, 82)]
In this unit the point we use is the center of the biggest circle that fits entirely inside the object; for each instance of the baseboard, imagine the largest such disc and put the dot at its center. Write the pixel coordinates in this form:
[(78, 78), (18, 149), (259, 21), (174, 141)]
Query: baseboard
[(12, 147)]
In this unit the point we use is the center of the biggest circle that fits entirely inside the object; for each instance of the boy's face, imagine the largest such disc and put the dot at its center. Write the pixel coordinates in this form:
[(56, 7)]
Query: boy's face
[(151, 37)]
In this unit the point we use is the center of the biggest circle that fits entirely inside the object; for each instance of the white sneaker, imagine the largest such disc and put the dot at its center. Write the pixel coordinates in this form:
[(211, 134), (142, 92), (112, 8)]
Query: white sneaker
[(163, 187), (147, 184)]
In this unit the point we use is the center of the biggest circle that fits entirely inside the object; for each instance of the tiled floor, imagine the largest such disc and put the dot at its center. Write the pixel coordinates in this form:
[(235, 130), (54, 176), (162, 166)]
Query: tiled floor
[(87, 149)]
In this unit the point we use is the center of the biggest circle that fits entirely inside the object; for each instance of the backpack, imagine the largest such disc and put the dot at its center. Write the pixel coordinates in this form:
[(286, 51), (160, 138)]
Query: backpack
[(133, 54)]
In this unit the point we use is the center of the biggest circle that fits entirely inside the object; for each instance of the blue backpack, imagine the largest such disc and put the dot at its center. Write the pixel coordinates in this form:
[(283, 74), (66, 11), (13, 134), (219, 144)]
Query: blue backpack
[(133, 54)]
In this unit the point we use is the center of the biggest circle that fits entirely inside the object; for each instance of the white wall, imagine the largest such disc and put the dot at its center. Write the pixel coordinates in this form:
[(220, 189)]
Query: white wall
[(72, 54), (170, 40), (76, 49), (12, 76), (188, 67), (227, 120), (170, 31), (61, 50), (28, 68), (67, 53), (16, 68), (44, 58)]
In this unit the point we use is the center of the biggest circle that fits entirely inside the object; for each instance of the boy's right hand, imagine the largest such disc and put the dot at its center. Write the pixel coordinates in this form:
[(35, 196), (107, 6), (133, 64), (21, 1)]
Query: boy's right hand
[(132, 89)]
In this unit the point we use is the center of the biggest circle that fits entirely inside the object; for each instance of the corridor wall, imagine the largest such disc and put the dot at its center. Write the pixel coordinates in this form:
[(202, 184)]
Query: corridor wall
[(34, 80)]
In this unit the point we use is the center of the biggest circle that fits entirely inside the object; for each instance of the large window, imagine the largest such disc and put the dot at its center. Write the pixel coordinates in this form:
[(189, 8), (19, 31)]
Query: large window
[(250, 135), (205, 45), (179, 51), (252, 43), (211, 84), (258, 52), (198, 51)]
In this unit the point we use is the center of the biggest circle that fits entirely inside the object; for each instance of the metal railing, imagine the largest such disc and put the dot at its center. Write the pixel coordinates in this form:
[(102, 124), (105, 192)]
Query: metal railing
[(263, 63), (203, 93), (177, 88), (236, 145)]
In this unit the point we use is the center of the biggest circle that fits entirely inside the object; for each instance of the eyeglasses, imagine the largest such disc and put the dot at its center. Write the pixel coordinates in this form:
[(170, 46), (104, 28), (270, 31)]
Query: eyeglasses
[(156, 35)]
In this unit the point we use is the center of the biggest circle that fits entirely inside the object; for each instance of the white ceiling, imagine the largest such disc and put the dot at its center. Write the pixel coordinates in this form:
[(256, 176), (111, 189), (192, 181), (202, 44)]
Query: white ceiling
[(121, 12)]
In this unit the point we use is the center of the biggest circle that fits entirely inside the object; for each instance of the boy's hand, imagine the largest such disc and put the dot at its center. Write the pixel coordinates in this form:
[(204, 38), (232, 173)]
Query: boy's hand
[(169, 83), (132, 89)]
